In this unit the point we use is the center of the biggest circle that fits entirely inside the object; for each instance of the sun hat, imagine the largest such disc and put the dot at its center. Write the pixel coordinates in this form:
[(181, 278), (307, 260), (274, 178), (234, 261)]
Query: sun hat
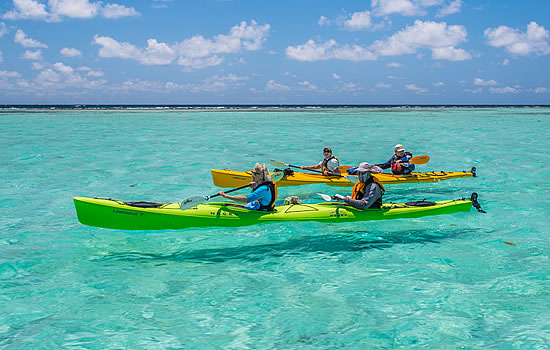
[(399, 147), (367, 167)]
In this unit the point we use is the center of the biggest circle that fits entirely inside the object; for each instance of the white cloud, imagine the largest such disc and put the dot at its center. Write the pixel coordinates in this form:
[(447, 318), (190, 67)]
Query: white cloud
[(274, 86), (453, 7), (350, 87), (415, 88), (306, 85), (32, 55), (196, 52), (439, 84), (505, 90), (3, 29), (393, 65), (117, 11), (21, 38), (311, 51), (541, 90), (358, 21), (95, 74), (481, 82), (323, 21), (475, 91), (70, 52), (506, 62), (60, 67), (402, 7), (27, 9), (212, 84), (534, 40), (450, 53), (383, 86), (432, 35), (56, 10), (336, 76), (6, 74)]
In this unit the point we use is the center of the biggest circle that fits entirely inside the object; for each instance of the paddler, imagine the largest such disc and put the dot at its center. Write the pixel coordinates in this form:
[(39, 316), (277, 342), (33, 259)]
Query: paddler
[(368, 192), (399, 162), (329, 166), (264, 193)]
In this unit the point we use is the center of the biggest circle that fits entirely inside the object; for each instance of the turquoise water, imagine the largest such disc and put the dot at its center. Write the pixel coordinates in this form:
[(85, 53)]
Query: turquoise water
[(441, 282)]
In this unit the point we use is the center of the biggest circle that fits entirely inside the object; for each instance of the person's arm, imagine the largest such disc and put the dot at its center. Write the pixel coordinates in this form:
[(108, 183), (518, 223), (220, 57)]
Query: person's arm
[(371, 195), (311, 167), (386, 164), (242, 199)]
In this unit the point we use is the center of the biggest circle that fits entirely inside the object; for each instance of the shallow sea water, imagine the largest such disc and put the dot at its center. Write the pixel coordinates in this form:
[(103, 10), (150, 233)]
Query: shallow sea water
[(443, 282)]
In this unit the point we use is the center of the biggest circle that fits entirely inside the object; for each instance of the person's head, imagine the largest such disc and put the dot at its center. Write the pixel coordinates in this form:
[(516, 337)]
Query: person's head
[(399, 150), (364, 171), (327, 152), (260, 174)]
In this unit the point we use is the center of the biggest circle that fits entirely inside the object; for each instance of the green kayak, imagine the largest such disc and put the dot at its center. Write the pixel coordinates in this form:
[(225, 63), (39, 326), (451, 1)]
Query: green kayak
[(117, 214)]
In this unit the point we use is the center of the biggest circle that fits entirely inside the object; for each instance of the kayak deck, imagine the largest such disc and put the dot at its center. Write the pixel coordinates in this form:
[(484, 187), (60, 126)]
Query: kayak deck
[(230, 178), (117, 214)]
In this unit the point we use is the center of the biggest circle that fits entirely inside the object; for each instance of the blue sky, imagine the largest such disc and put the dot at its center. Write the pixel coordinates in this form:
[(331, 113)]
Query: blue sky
[(274, 52)]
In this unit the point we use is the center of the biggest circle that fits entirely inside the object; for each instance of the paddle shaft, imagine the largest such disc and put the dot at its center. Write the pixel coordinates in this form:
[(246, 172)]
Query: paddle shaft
[(233, 190), (315, 171)]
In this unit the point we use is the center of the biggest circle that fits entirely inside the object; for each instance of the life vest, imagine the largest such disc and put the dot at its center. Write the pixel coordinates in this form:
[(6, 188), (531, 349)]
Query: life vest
[(271, 205), (325, 162), (358, 191), (398, 168)]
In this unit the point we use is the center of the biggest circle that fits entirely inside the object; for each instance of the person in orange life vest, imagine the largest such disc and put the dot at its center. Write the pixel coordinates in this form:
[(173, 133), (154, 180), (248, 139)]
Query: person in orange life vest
[(399, 162), (330, 165), (264, 193), (368, 192)]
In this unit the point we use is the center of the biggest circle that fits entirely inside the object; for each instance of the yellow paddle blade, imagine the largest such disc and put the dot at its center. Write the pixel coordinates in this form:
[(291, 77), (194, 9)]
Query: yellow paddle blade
[(420, 159)]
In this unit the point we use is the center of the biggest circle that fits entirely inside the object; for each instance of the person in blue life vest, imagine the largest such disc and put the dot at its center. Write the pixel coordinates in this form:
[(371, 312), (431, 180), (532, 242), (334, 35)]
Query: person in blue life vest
[(264, 193), (399, 162), (368, 192), (329, 166)]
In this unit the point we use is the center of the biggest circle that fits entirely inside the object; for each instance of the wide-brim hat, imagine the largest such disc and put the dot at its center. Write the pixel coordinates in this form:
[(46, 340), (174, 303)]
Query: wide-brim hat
[(399, 147), (367, 167)]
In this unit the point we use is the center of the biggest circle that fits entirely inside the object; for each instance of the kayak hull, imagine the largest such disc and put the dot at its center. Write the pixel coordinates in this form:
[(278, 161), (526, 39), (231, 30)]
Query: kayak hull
[(230, 178), (116, 214)]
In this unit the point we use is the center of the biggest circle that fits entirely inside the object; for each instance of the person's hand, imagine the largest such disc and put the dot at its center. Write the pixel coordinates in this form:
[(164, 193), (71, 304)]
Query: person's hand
[(302, 167), (222, 193), (339, 197), (325, 173), (251, 184)]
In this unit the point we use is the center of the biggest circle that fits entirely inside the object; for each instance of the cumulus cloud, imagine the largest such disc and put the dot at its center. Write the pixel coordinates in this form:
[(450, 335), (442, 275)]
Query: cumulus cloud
[(60, 67), (415, 88), (70, 52), (534, 40), (312, 51), (117, 11), (274, 86), (393, 65), (22, 39), (452, 7), (389, 7), (56, 10), (358, 21), (504, 90), (306, 85), (432, 35), (193, 53), (450, 54), (439, 84), (323, 21), (336, 76), (541, 90), (3, 29), (6, 74), (481, 82), (383, 85), (32, 55)]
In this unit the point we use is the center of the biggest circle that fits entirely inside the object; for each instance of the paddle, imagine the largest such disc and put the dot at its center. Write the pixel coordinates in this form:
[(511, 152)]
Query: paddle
[(196, 200), (325, 197), (419, 160), (274, 162)]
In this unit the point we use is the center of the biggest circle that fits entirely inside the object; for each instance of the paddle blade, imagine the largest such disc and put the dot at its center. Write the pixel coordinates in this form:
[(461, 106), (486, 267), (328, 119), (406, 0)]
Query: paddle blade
[(277, 163), (325, 197), (192, 202), (353, 179), (420, 159), (277, 176)]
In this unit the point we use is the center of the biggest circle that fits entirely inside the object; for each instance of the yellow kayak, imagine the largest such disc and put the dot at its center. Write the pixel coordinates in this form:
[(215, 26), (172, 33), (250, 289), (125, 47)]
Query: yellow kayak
[(230, 178)]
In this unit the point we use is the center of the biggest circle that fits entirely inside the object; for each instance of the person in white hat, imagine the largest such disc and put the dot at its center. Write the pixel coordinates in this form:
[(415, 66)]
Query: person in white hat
[(368, 192), (399, 162)]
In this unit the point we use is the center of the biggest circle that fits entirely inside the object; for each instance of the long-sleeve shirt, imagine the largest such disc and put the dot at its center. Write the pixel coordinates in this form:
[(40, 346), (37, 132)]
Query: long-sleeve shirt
[(407, 167), (372, 193)]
